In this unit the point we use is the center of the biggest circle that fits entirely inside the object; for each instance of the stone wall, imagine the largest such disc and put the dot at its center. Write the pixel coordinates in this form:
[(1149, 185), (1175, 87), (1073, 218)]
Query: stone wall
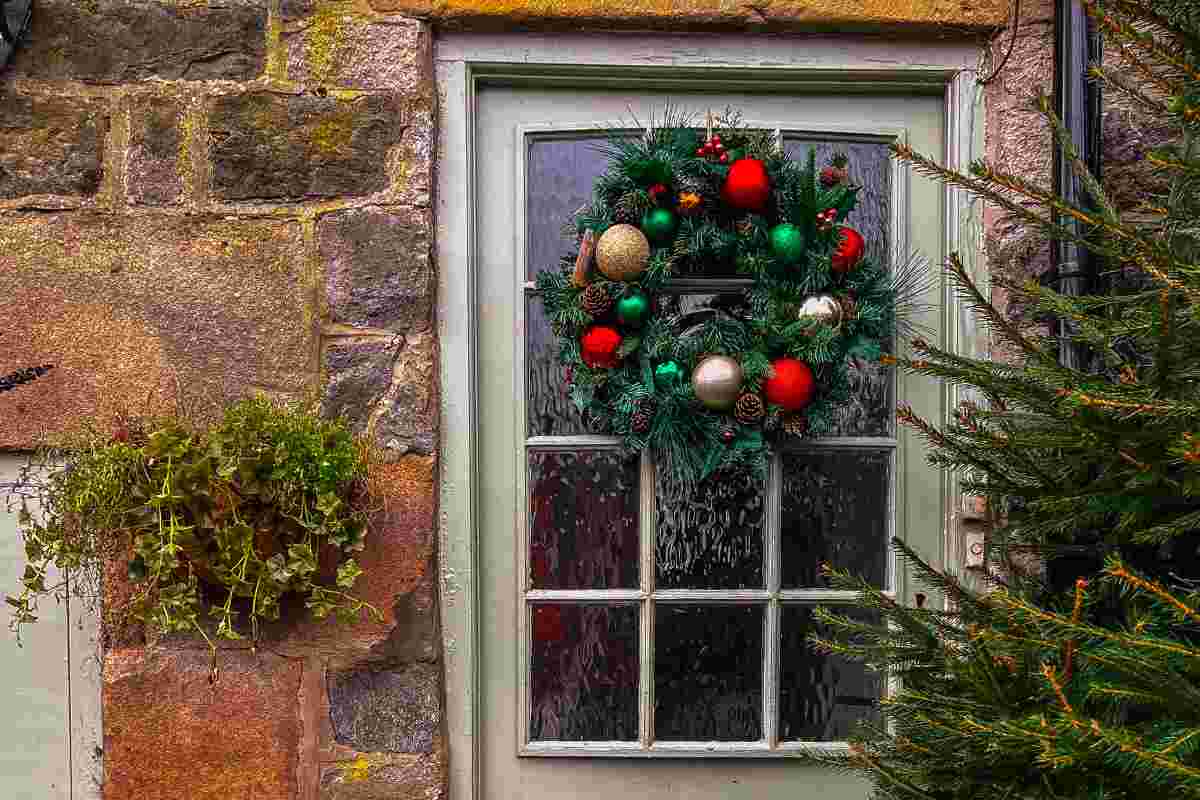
[(201, 199)]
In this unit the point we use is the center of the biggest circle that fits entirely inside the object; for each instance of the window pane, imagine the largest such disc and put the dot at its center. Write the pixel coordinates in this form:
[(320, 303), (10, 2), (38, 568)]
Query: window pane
[(583, 520), (708, 673), (584, 673), (712, 536), (559, 179), (834, 509), (548, 407), (821, 697), (869, 412)]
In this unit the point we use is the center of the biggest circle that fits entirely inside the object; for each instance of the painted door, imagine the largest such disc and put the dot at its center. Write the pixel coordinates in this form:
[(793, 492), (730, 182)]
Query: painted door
[(51, 686), (635, 641)]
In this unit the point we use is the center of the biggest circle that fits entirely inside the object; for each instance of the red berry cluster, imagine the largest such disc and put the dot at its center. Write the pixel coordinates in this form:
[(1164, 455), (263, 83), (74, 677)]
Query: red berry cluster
[(712, 149), (826, 219)]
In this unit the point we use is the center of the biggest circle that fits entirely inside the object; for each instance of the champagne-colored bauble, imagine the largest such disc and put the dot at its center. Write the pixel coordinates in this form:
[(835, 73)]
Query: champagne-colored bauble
[(717, 381), (622, 253), (823, 308)]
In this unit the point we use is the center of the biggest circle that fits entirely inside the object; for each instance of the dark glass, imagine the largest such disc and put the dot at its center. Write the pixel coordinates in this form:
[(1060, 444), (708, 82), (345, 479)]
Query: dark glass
[(548, 407), (869, 411), (583, 520), (821, 697), (560, 174), (708, 673), (583, 673), (834, 509), (710, 537)]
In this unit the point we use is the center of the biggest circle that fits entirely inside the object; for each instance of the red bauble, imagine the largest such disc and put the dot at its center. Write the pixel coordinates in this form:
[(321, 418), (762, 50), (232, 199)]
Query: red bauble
[(791, 384), (849, 251), (748, 186), (598, 348)]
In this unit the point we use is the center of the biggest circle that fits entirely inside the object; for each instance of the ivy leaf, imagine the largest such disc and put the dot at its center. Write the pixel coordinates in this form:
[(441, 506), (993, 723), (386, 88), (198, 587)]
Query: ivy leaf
[(348, 573)]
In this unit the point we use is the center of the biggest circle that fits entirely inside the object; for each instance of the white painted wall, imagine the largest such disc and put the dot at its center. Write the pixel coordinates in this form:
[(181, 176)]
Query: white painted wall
[(49, 687)]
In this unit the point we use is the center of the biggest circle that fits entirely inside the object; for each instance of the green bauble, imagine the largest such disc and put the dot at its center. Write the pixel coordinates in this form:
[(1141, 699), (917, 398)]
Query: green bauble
[(633, 309), (787, 243), (668, 375), (659, 225)]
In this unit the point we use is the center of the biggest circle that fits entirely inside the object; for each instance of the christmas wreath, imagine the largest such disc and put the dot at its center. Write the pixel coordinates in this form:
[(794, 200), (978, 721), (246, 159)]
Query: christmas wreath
[(709, 381)]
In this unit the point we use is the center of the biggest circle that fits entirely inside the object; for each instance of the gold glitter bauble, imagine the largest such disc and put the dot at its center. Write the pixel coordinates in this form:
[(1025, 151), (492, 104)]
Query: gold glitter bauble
[(821, 308), (622, 253), (717, 381)]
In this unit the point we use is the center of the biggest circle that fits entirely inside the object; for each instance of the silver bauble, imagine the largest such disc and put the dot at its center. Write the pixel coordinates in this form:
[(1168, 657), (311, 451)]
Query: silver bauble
[(822, 308), (717, 381)]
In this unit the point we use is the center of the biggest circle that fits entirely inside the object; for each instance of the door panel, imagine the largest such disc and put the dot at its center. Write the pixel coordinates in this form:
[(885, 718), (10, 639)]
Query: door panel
[(655, 637)]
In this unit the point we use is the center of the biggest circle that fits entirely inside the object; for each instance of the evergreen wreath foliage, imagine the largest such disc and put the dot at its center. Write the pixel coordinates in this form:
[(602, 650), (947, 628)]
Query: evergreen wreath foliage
[(714, 239)]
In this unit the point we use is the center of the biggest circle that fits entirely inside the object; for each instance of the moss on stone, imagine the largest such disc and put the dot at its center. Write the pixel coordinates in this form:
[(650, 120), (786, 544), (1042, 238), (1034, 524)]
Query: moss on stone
[(323, 39)]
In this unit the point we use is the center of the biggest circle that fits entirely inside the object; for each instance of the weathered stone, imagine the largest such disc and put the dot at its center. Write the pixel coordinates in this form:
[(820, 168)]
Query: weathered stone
[(51, 145), (398, 579), (171, 732), (397, 711), (695, 14), (357, 376), (407, 419), (377, 267), (271, 146), (111, 41), (155, 138), (338, 49), (1017, 134), (415, 182), (138, 311), (380, 776)]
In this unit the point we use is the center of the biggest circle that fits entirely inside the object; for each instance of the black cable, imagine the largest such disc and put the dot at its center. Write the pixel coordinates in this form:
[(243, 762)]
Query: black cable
[(1016, 24)]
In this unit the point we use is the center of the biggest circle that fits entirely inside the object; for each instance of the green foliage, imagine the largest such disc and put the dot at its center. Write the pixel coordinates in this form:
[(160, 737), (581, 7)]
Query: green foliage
[(1053, 686), (652, 169), (219, 523)]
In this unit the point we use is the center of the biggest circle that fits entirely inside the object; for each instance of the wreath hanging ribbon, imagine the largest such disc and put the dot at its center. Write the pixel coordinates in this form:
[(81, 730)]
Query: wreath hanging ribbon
[(714, 391)]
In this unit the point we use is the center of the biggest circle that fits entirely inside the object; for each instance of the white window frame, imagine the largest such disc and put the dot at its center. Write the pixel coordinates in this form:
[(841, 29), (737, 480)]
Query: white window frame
[(463, 62)]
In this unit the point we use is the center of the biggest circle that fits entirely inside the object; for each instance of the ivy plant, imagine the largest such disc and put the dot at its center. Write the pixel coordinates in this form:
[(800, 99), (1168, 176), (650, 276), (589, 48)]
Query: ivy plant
[(213, 524)]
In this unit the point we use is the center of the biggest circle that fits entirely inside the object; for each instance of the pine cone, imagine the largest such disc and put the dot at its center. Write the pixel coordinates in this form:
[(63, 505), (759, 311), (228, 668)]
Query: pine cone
[(849, 307), (795, 424), (749, 409), (642, 417), (596, 300)]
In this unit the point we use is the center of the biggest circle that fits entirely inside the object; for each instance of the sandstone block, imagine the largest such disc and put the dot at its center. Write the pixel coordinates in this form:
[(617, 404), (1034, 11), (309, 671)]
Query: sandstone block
[(171, 733), (394, 711), (111, 41), (407, 419), (51, 145), (140, 310), (155, 137), (357, 376), (385, 776), (377, 267), (275, 147), (336, 48)]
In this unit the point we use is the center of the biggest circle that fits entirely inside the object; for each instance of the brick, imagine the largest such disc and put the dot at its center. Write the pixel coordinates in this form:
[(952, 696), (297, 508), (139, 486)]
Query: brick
[(275, 147), (136, 311), (335, 48), (113, 41), (393, 711), (51, 145), (707, 14), (155, 138), (171, 733), (378, 776), (377, 267)]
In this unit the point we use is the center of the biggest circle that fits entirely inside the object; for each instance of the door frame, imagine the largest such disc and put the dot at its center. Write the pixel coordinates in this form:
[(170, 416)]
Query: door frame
[(466, 62)]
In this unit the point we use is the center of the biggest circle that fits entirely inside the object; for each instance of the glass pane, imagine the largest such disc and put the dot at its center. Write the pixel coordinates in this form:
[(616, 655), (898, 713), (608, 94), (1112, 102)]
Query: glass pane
[(583, 520), (712, 536), (560, 174), (834, 509), (708, 673), (869, 412), (548, 407), (821, 697), (584, 673)]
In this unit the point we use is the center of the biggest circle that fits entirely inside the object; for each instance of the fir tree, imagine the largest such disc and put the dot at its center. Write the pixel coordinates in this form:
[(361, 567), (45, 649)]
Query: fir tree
[(1075, 674)]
